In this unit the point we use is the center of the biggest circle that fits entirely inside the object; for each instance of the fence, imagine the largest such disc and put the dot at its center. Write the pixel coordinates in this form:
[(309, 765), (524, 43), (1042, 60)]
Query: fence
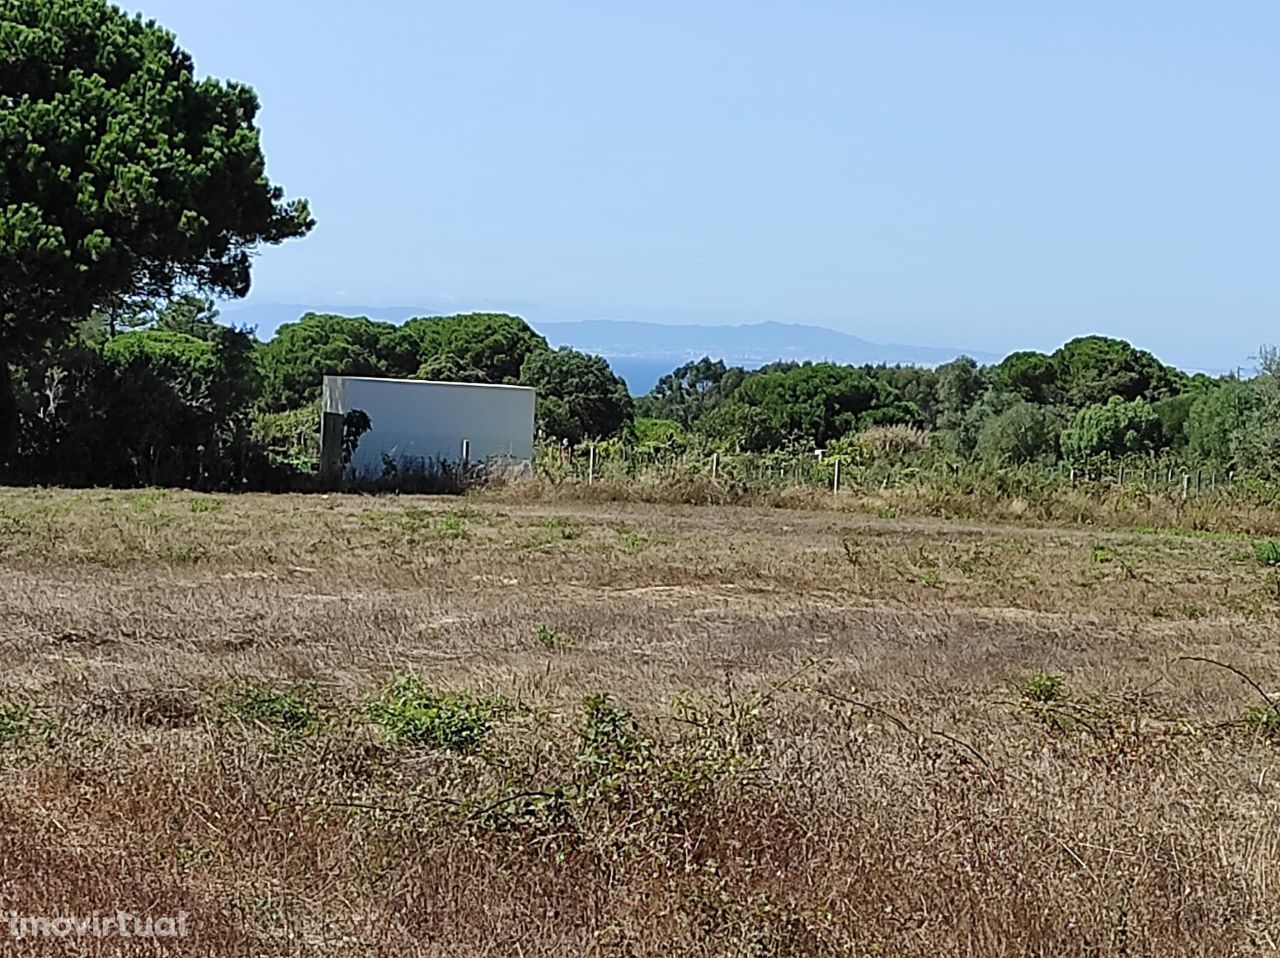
[(611, 461)]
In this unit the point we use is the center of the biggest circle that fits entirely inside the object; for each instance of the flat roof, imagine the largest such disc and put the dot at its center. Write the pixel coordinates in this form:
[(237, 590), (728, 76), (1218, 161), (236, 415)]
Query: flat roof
[(429, 382)]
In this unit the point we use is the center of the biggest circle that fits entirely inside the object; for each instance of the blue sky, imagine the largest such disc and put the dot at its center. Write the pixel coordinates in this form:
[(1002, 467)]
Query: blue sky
[(992, 175)]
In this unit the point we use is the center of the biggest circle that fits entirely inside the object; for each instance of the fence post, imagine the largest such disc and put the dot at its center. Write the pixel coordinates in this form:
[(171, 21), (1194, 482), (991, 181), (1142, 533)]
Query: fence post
[(835, 483), (466, 451), (591, 463), (1186, 482), (715, 465)]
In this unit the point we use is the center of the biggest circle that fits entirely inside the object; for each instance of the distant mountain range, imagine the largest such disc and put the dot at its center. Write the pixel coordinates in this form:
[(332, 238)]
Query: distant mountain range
[(649, 350), (643, 352)]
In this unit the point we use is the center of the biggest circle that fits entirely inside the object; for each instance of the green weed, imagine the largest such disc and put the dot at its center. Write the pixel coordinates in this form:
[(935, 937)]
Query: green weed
[(289, 710), (15, 723), (1267, 553), (1263, 719), (453, 526), (1044, 689), (552, 639), (611, 739), (205, 504), (411, 713), (562, 527)]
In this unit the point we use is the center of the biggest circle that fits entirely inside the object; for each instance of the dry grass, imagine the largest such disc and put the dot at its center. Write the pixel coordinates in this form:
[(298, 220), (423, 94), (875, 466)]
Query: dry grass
[(823, 731), (1029, 496)]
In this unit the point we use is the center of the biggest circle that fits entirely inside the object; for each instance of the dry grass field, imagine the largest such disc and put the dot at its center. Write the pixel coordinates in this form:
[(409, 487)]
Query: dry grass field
[(416, 726)]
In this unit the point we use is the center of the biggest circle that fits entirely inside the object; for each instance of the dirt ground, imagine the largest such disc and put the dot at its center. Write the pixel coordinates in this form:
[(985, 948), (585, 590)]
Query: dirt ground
[(404, 725)]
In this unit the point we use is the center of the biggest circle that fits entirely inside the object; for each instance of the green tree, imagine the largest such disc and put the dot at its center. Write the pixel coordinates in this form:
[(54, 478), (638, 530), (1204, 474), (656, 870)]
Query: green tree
[(1217, 420), (960, 383), (296, 360), (190, 314), (1174, 413), (1093, 369), (579, 396), (915, 386), (797, 405), (1255, 444), (1024, 432), (149, 406), (1030, 375), (446, 368), (473, 347), (688, 392), (1112, 430), (122, 175)]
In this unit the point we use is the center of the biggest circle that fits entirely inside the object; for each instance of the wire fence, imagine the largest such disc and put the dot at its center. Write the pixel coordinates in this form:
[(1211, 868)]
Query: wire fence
[(611, 461)]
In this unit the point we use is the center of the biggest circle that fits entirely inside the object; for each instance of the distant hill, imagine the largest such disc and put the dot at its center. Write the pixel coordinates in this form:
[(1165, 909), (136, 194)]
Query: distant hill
[(649, 350), (643, 352)]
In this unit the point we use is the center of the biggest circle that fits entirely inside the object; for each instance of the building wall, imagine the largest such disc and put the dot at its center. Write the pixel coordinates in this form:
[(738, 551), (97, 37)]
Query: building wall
[(412, 420)]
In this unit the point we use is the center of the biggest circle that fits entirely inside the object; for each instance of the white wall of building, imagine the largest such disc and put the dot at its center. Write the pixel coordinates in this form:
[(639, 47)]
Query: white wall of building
[(413, 419)]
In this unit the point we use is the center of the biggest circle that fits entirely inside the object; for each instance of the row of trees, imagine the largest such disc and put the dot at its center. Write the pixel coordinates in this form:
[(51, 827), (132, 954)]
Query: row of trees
[(168, 395), (1095, 397), (579, 395)]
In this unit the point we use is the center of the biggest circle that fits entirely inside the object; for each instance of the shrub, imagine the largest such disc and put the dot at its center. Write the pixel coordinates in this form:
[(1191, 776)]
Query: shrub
[(1112, 430), (893, 444), (610, 735), (1022, 433), (412, 713)]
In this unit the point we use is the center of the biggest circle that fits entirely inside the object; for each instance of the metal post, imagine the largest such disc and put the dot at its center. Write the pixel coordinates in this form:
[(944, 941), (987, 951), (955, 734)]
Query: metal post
[(715, 465), (591, 463), (466, 450), (835, 483)]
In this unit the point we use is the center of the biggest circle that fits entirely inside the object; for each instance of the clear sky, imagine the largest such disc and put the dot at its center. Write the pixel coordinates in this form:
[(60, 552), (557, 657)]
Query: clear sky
[(990, 175)]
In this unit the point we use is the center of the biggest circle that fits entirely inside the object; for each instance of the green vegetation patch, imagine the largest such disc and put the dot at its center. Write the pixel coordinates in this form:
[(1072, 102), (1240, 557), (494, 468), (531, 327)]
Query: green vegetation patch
[(289, 710), (413, 713)]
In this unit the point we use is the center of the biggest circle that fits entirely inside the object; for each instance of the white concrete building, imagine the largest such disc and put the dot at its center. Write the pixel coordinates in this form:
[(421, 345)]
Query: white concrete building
[(419, 424)]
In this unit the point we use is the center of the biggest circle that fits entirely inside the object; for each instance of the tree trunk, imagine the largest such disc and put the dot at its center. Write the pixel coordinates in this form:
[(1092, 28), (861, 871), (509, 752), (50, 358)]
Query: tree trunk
[(8, 420)]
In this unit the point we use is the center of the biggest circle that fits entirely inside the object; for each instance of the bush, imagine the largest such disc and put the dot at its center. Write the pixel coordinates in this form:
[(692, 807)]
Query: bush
[(411, 713), (1022, 433), (893, 444), (1112, 430), (292, 436)]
